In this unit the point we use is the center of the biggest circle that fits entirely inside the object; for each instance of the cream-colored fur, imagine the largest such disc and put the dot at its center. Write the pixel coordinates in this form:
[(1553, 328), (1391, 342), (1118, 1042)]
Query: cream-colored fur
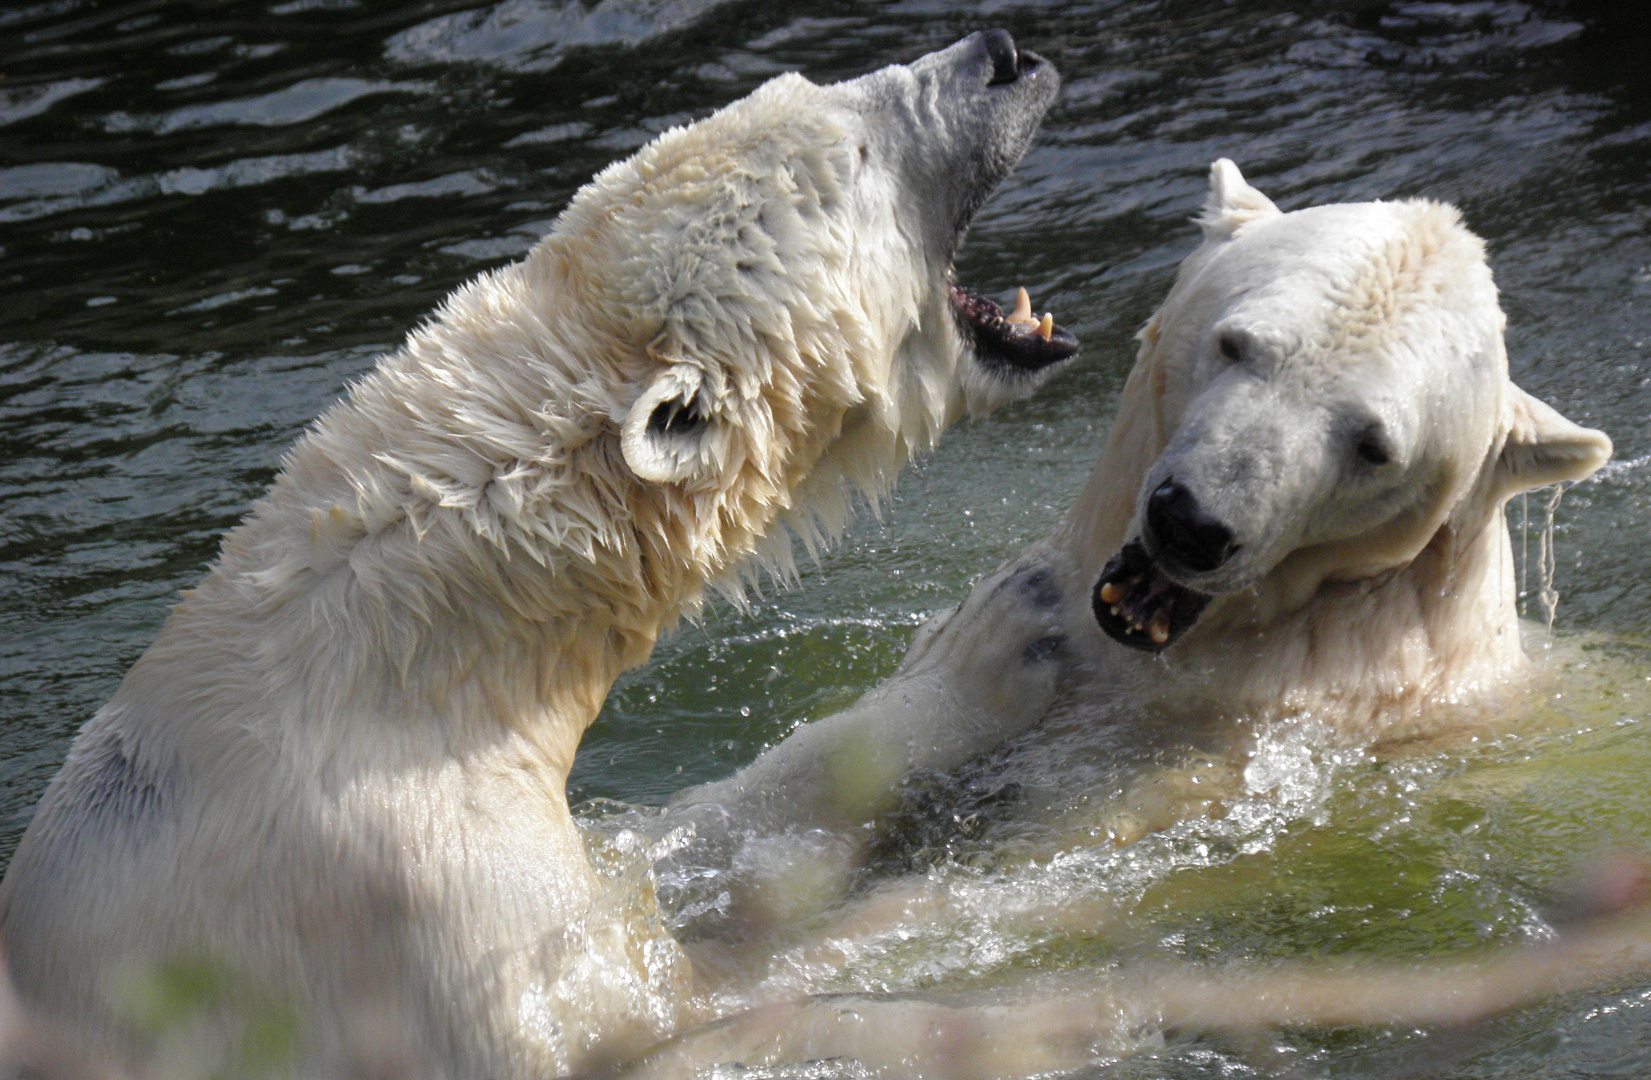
[(1362, 595), (1372, 600), (339, 772)]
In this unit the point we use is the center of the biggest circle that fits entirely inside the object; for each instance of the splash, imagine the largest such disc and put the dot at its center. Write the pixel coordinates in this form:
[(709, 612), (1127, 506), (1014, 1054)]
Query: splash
[(619, 959)]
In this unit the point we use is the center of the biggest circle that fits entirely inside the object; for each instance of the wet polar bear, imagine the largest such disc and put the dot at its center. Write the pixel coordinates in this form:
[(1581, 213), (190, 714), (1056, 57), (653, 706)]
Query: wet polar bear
[(1297, 518), (1298, 513), (1310, 466), (339, 772)]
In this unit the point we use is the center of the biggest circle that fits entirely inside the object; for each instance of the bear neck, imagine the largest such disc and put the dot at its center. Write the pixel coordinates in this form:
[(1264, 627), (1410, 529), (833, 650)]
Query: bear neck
[(1379, 656), (1393, 655), (385, 597)]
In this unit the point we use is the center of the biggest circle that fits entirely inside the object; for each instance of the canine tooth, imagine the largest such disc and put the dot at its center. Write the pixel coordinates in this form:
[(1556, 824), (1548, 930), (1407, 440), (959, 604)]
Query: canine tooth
[(1160, 627), (1023, 308), (1047, 327), (1114, 609), (1111, 594)]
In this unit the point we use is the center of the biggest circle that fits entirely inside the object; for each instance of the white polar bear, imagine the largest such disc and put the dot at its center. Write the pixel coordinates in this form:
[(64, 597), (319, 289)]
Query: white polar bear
[(1303, 494), (1297, 513), (340, 769)]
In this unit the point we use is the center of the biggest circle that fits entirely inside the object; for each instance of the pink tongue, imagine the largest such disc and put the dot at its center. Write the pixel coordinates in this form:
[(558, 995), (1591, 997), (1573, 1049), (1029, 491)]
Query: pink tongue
[(1141, 608)]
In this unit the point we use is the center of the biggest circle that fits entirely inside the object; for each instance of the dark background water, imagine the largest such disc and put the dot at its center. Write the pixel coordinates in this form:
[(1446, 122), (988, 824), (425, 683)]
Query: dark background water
[(213, 215)]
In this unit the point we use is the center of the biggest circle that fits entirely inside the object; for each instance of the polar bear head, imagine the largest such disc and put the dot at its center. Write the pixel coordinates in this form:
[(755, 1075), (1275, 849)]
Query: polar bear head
[(772, 286), (720, 341), (739, 326), (1327, 389)]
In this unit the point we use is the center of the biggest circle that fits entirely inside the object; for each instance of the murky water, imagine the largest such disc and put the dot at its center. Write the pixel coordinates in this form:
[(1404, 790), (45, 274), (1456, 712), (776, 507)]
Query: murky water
[(212, 217)]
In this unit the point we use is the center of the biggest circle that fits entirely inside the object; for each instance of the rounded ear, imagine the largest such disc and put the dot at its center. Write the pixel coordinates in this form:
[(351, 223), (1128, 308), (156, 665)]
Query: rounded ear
[(1543, 447), (1232, 202), (664, 435)]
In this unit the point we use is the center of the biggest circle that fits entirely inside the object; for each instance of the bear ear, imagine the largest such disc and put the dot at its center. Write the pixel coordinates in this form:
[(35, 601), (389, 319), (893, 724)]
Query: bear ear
[(1544, 448), (664, 435), (1232, 202)]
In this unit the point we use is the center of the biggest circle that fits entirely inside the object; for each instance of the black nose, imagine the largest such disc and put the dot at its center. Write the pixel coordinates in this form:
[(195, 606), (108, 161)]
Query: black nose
[(1005, 59), (1184, 533)]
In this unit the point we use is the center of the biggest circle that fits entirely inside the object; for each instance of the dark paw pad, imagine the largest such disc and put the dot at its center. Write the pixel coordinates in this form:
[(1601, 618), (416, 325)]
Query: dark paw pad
[(1037, 586), (1042, 649)]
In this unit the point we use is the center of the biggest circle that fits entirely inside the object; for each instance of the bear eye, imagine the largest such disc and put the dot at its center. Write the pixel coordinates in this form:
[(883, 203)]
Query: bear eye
[(858, 165), (1373, 448), (1230, 348)]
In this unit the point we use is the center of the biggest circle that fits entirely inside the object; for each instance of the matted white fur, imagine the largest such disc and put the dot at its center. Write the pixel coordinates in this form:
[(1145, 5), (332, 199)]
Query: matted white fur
[(1367, 598), (339, 772)]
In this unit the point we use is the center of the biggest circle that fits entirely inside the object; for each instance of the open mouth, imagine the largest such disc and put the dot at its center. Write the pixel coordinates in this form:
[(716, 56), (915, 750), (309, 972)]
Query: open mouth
[(1018, 340), (1138, 606)]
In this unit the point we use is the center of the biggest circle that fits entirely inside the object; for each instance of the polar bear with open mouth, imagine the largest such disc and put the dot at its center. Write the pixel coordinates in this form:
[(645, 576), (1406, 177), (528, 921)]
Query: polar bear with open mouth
[(1304, 489), (339, 772), (1298, 512)]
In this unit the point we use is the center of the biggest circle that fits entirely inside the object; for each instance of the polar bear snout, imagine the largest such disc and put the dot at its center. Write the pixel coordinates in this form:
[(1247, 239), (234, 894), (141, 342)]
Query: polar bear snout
[(963, 116), (952, 125), (1182, 534), (991, 56)]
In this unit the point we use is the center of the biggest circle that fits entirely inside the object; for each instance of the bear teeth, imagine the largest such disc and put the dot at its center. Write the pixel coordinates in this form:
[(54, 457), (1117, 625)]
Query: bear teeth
[(1019, 338), (1023, 307), (1158, 629), (1138, 605), (1022, 315)]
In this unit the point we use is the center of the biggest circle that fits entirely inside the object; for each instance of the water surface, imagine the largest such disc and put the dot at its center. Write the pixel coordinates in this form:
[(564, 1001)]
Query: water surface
[(212, 217)]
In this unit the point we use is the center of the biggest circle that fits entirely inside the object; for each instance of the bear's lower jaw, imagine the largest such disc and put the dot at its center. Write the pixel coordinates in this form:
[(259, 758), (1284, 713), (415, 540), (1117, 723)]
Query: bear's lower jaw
[(1137, 605), (1014, 342)]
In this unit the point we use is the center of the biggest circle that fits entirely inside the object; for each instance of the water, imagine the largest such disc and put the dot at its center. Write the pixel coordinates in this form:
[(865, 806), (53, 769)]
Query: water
[(211, 219)]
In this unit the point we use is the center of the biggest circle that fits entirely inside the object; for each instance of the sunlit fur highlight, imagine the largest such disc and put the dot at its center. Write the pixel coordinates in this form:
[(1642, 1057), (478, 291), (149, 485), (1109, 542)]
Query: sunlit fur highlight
[(1368, 630), (341, 766)]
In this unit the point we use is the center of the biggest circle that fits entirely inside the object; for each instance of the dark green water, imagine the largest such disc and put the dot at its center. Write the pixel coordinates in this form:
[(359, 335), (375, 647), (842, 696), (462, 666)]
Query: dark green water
[(212, 216)]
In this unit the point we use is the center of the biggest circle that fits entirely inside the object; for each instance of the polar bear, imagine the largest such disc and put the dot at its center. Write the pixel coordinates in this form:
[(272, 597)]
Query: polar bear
[(1298, 513), (1301, 503), (1297, 516), (338, 774)]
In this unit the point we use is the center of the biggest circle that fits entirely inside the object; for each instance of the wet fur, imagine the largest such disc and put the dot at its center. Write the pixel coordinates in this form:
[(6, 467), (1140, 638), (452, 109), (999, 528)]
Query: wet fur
[(1368, 620), (339, 771)]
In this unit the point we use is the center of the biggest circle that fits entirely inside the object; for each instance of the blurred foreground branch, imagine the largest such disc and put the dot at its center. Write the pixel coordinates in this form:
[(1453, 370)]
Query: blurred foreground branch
[(1605, 940)]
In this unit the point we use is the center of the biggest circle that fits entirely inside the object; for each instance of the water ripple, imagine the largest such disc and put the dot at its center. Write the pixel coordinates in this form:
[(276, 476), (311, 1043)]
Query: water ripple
[(534, 35), (213, 216)]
